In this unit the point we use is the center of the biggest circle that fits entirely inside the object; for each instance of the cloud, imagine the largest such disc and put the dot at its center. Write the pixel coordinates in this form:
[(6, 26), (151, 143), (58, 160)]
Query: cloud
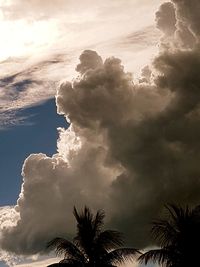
[(89, 60), (41, 57), (131, 147), (178, 20), (188, 12), (8, 218), (166, 18), (140, 38), (30, 81), (86, 173), (187, 22), (25, 83), (146, 74), (34, 9)]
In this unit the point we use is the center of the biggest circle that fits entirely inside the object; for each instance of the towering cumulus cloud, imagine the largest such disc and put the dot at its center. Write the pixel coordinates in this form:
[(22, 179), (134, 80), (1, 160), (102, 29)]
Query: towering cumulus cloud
[(130, 148)]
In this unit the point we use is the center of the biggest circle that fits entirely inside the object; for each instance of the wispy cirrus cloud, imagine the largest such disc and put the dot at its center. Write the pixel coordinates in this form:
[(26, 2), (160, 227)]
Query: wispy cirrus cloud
[(26, 83)]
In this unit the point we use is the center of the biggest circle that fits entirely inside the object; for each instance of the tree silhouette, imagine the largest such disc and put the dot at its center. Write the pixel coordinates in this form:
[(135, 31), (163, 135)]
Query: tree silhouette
[(178, 237), (92, 246)]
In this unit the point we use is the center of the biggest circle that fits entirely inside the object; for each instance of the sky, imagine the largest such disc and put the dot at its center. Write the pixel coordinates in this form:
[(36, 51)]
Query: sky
[(99, 106)]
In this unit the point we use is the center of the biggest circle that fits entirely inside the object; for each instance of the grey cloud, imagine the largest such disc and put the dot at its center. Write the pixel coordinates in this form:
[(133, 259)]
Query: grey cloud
[(106, 96), (41, 217), (146, 73), (130, 148), (89, 60), (188, 26), (179, 22), (185, 36), (161, 159), (188, 13), (103, 100), (166, 18), (139, 39)]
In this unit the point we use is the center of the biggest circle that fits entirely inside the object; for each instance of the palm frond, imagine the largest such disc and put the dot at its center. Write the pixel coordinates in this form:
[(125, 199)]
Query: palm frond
[(84, 223), (91, 245), (110, 239), (66, 248), (98, 221), (164, 232), (167, 231), (85, 236), (84, 216), (119, 256), (178, 213), (155, 255)]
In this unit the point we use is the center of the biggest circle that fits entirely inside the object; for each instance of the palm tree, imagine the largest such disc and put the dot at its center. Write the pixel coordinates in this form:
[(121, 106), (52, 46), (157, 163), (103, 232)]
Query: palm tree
[(92, 246), (178, 237)]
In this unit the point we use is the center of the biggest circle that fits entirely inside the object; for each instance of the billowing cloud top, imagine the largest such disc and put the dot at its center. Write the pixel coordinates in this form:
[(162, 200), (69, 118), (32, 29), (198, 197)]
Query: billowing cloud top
[(130, 148)]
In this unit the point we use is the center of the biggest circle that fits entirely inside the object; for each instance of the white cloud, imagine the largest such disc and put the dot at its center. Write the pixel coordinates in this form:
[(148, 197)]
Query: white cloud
[(8, 217)]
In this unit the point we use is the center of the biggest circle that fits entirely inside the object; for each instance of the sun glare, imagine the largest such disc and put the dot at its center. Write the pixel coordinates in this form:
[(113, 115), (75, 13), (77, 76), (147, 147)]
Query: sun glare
[(21, 37)]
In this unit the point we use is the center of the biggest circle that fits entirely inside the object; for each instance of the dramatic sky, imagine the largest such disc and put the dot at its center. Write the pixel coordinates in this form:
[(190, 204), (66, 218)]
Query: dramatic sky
[(99, 106)]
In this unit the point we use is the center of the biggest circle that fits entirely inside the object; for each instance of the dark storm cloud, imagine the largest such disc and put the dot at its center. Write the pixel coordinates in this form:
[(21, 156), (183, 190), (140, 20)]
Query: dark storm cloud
[(131, 147)]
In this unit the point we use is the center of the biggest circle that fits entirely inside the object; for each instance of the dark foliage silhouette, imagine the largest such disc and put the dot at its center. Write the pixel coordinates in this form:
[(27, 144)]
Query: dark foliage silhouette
[(92, 246), (178, 236)]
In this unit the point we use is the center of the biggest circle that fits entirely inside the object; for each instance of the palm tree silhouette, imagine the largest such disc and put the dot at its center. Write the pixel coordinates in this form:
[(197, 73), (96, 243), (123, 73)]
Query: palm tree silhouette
[(178, 237), (92, 246)]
